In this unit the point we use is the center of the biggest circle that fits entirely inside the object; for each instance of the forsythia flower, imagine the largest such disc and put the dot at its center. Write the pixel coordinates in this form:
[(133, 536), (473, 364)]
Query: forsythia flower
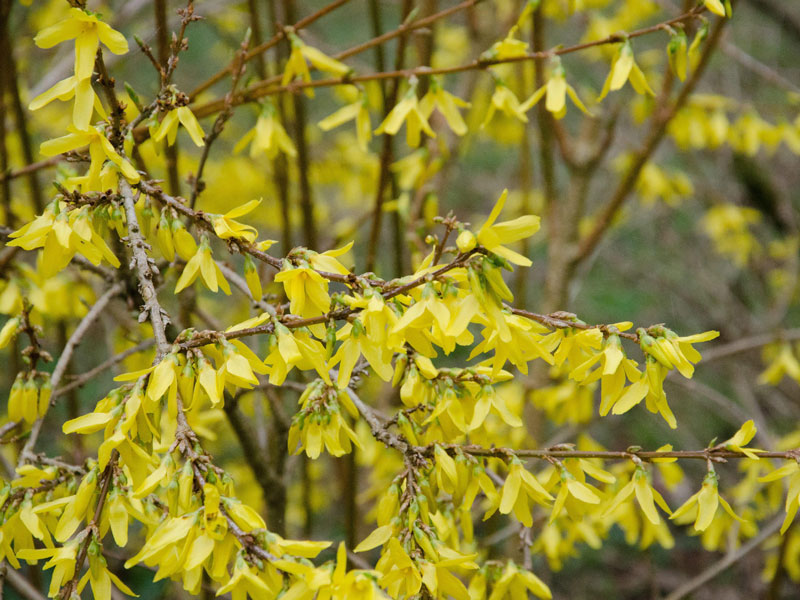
[(296, 65), (623, 68), (492, 235), (169, 126), (61, 235), (721, 8), (85, 100), (100, 150), (705, 503), (741, 438), (447, 104), (519, 487), (408, 111), (268, 136), (783, 362), (225, 226), (202, 263), (87, 31), (556, 89), (357, 111), (504, 100)]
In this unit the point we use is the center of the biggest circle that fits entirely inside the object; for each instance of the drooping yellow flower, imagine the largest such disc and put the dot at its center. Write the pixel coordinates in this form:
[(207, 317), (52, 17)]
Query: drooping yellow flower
[(646, 495), (87, 31), (504, 100), (493, 235), (782, 362), (447, 104), (202, 263), (268, 136), (718, 7), (85, 100), (520, 487), (100, 150), (678, 55), (741, 438), (624, 68), (169, 126), (61, 235), (296, 65), (508, 47), (306, 289), (357, 111), (226, 227), (515, 582), (557, 90), (408, 111), (704, 504)]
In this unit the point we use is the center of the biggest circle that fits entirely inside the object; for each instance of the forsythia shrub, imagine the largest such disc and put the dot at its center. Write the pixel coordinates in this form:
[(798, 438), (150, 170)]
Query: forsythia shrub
[(432, 386)]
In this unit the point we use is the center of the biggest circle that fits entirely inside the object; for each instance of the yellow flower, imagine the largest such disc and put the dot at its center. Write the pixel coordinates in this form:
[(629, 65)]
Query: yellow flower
[(646, 495), (408, 111), (87, 31), (515, 582), (225, 226), (741, 438), (63, 234), (447, 104), (705, 503), (508, 47), (492, 235), (677, 54), (356, 111), (203, 264), (268, 136), (624, 67), (100, 150), (306, 289), (169, 126), (85, 100), (63, 559), (557, 90), (296, 65), (783, 362), (504, 100), (718, 7), (520, 487)]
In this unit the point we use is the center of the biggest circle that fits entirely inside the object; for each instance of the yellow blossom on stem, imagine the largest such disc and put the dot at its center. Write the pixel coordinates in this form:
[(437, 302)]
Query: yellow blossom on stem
[(704, 504), (519, 488), (306, 289), (169, 126), (226, 227), (557, 89), (202, 263), (741, 438), (493, 235), (624, 68), (407, 111), (296, 65), (86, 100), (446, 103), (100, 150), (504, 100), (268, 136), (358, 112)]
